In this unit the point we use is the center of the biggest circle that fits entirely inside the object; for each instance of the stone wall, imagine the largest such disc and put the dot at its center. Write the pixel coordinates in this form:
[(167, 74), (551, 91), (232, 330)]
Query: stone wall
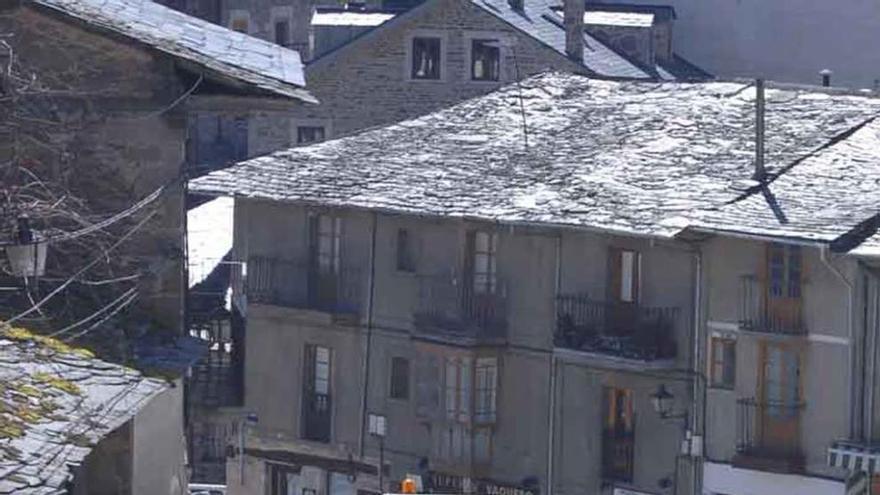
[(367, 83)]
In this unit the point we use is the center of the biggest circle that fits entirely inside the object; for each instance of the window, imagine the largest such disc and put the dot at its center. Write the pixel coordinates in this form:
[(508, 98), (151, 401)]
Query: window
[(282, 33), (784, 267), (327, 232), (618, 434), (486, 378), (455, 443), (316, 399), (458, 389), (399, 378), (425, 58), (723, 355), (781, 380), (484, 270), (240, 24), (428, 385), (485, 60), (405, 257), (309, 134), (483, 445), (625, 267), (284, 479)]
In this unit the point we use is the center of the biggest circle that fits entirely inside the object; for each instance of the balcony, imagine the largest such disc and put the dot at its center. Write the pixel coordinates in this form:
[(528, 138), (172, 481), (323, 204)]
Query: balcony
[(218, 378), (758, 313), (769, 436), (448, 309), (621, 330), (302, 285), (618, 454), (316, 416)]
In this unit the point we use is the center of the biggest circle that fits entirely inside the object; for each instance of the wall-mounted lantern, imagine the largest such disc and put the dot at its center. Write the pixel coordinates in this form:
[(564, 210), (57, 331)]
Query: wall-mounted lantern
[(27, 257)]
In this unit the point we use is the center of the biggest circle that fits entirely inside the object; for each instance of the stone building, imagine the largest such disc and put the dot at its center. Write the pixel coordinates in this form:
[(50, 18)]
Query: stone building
[(617, 302), (116, 87)]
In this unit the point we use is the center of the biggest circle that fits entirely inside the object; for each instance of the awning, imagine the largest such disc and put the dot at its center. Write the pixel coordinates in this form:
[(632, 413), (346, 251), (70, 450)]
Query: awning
[(855, 457)]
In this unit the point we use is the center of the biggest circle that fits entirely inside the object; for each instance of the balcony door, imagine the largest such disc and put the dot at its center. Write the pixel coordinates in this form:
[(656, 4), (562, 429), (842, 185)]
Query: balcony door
[(624, 280), (316, 394), (481, 270), (325, 238), (780, 397), (783, 287), (618, 434)]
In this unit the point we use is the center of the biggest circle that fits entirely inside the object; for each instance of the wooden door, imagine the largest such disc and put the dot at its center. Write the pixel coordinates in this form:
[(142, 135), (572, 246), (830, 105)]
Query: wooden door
[(780, 399), (782, 293)]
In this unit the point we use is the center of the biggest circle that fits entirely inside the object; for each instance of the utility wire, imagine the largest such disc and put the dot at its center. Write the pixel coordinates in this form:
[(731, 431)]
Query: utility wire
[(113, 313), (81, 271), (95, 314)]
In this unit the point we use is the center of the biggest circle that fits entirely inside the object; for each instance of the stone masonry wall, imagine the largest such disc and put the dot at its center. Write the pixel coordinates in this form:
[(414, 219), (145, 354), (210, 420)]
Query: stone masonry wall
[(366, 83)]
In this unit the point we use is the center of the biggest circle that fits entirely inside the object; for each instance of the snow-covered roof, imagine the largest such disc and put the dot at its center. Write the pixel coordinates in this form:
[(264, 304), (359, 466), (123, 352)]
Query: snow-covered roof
[(56, 403), (256, 62), (629, 157), (209, 237), (350, 18), (622, 19), (539, 19)]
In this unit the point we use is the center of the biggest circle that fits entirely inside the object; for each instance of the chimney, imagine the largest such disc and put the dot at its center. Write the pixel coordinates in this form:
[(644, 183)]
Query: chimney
[(826, 77), (760, 172), (516, 5), (573, 18)]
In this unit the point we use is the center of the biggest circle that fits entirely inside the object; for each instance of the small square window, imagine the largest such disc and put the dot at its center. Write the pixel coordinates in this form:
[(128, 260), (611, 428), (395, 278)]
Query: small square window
[(309, 134), (426, 58), (723, 362), (405, 255), (485, 60), (240, 24), (399, 378)]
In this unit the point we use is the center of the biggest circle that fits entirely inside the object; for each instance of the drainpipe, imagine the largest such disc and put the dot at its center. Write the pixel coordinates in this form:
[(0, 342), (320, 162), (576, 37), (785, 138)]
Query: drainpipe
[(698, 423), (365, 383), (873, 332), (823, 256), (551, 406)]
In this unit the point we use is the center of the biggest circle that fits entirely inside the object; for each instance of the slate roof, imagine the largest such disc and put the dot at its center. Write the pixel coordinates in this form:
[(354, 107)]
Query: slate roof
[(624, 156), (333, 16), (56, 403), (258, 63), (540, 20)]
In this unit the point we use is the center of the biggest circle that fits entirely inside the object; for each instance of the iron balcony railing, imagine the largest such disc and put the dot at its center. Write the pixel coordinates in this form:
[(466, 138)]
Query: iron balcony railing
[(759, 313), (218, 377), (770, 430), (618, 454), (303, 285), (449, 307), (316, 416), (618, 329)]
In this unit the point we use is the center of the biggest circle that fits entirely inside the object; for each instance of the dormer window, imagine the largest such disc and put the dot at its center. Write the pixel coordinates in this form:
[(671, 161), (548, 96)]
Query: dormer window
[(485, 60), (426, 58)]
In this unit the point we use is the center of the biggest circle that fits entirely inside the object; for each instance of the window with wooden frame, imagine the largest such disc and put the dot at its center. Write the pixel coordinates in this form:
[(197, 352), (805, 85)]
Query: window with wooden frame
[(399, 386), (483, 250), (485, 60), (282, 32), (306, 134), (457, 384), (784, 267), (723, 362), (405, 251), (426, 58), (327, 243), (316, 423), (486, 389), (618, 434), (240, 24), (625, 268)]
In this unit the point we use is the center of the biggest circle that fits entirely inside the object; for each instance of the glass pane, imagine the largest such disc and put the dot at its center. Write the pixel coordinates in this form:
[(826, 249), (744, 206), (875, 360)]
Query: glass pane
[(627, 276)]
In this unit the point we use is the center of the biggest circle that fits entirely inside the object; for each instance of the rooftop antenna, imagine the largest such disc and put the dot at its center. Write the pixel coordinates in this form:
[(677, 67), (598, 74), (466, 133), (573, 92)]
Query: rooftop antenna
[(760, 171)]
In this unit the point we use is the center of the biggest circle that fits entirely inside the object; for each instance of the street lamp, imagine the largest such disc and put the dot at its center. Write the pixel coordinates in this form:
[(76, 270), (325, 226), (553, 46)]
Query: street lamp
[(377, 426), (27, 257), (663, 401)]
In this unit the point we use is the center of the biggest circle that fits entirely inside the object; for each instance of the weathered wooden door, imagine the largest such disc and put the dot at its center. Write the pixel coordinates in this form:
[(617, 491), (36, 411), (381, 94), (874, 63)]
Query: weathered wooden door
[(780, 399)]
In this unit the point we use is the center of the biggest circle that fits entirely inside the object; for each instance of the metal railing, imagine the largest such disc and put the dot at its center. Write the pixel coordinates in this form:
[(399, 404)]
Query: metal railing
[(619, 329), (303, 285), (769, 429), (758, 314), (316, 416), (618, 455), (451, 307)]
